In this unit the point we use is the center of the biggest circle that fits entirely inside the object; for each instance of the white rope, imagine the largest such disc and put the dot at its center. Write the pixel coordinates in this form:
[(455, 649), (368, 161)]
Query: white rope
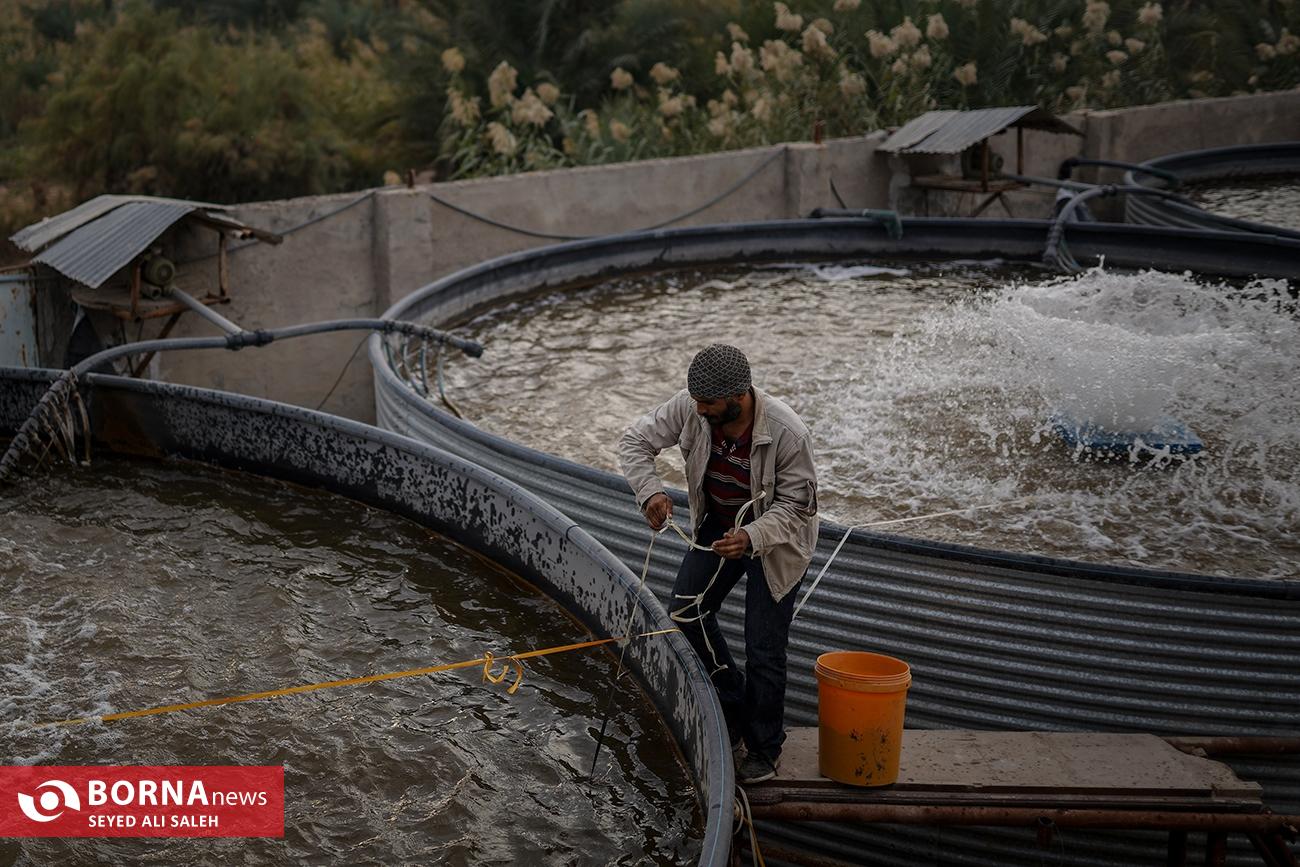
[(849, 531), (747, 820), (627, 631), (697, 600), (670, 524)]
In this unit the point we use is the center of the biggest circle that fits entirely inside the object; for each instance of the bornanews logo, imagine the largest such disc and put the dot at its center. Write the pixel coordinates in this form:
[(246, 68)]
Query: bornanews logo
[(141, 801)]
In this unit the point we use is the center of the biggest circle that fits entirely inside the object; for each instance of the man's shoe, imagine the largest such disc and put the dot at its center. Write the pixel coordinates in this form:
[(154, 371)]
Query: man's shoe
[(755, 769)]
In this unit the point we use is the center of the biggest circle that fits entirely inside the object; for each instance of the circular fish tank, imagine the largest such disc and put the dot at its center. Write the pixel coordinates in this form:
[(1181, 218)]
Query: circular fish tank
[(929, 387), (294, 547), (998, 636)]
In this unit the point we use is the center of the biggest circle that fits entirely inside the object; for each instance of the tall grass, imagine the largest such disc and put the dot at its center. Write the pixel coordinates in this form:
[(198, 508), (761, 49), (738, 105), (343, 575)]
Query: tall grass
[(848, 67), (255, 99)]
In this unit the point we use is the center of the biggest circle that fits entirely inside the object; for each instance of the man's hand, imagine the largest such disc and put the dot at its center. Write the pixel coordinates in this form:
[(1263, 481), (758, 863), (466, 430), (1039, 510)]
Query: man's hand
[(658, 509), (732, 544)]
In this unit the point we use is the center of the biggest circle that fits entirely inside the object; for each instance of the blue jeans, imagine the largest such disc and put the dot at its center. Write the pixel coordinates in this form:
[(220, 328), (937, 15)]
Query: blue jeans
[(753, 701)]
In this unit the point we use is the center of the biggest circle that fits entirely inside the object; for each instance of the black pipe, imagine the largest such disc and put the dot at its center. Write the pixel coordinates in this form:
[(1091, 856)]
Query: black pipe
[(1055, 254), (261, 337), (235, 341), (1068, 166), (1077, 186), (889, 219)]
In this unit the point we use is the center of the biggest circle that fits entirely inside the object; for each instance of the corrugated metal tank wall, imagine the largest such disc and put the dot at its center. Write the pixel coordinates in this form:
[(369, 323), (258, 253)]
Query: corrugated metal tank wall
[(996, 640)]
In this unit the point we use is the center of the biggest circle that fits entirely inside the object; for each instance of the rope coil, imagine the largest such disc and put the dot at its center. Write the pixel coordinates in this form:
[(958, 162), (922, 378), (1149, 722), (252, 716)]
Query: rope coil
[(697, 599)]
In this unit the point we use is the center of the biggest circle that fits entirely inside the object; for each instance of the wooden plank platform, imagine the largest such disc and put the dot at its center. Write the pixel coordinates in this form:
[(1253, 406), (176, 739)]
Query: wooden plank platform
[(1023, 769), (965, 185), (117, 300), (1040, 780)]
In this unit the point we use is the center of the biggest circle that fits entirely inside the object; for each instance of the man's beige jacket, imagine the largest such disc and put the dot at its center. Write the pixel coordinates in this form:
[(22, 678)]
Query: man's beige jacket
[(782, 526)]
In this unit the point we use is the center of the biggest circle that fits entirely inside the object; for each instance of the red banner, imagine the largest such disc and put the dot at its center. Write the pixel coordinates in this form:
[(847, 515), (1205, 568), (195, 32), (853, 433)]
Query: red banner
[(141, 801)]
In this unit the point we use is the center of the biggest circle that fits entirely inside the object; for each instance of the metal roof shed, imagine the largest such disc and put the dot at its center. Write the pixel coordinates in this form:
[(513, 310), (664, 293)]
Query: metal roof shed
[(111, 252), (958, 132), (951, 132), (100, 237)]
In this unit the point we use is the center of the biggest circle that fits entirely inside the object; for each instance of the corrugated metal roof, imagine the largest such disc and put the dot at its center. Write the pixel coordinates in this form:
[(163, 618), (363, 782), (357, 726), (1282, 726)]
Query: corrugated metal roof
[(99, 248), (951, 132), (916, 129), (49, 230)]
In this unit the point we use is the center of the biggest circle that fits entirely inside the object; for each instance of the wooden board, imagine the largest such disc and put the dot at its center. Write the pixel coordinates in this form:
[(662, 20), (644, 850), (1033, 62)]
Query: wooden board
[(117, 300), (965, 185), (1022, 767)]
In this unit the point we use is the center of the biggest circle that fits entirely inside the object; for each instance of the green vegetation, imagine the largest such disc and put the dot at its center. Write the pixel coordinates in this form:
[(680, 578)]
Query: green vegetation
[(240, 100)]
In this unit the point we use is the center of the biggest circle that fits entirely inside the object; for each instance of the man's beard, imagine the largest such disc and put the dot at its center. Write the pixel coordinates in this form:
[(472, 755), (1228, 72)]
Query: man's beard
[(730, 414)]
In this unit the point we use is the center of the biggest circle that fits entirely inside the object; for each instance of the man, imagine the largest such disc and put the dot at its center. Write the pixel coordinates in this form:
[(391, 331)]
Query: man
[(740, 444)]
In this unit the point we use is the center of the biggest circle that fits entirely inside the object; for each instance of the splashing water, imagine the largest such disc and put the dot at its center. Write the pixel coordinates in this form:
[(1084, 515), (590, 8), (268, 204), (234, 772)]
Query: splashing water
[(931, 388), (957, 411)]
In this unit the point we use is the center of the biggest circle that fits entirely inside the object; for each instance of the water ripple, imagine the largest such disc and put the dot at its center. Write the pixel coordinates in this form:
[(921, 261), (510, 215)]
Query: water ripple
[(131, 585)]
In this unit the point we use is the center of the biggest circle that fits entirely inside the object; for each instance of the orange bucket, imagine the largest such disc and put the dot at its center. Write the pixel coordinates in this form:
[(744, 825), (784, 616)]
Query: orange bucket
[(861, 698)]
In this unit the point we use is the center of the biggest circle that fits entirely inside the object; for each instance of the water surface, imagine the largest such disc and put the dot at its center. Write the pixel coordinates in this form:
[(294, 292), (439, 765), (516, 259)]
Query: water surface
[(134, 584), (929, 388), (1273, 201)]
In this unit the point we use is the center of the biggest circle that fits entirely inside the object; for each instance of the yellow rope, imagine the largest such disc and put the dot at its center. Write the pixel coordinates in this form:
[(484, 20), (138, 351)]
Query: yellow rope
[(486, 661)]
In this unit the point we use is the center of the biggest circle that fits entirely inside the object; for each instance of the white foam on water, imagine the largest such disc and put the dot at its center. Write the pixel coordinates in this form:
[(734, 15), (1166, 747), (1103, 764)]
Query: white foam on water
[(953, 413), (831, 273), (25, 668), (839, 273), (933, 391)]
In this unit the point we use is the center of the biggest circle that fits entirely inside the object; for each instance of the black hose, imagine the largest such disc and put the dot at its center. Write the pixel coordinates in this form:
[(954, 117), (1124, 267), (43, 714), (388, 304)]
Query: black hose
[(235, 248), (889, 219), (1047, 182), (1056, 254), (1068, 167), (472, 348), (836, 194), (262, 337)]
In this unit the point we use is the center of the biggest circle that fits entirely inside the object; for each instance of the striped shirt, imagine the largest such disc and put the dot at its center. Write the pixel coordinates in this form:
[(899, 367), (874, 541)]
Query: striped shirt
[(726, 480)]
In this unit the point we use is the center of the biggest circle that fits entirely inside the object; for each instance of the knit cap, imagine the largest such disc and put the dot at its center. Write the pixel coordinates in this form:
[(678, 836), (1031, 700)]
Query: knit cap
[(718, 371)]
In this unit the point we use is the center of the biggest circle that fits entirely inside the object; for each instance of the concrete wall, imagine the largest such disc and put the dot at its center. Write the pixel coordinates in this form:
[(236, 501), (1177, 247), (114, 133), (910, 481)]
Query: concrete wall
[(1137, 134), (325, 271), (787, 181), (360, 261), (396, 240)]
